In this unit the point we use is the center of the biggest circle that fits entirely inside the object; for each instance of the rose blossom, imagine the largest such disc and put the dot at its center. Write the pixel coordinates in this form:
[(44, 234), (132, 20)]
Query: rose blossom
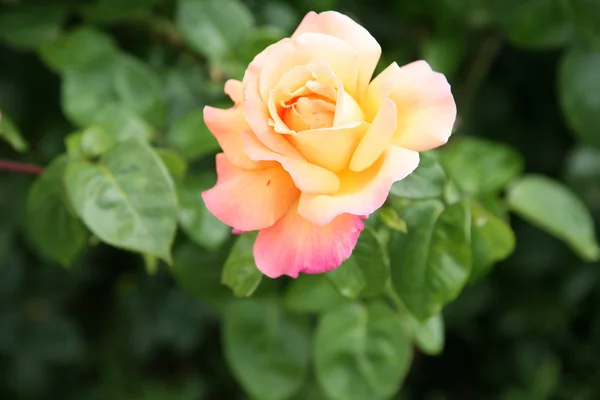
[(312, 145)]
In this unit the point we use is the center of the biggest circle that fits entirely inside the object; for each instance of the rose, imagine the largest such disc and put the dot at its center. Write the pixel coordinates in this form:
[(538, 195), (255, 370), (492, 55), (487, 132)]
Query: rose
[(312, 146)]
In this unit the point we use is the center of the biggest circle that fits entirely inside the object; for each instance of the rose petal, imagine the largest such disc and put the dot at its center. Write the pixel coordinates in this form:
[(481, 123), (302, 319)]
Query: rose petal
[(338, 25), (426, 112), (249, 200), (288, 53), (294, 245), (235, 90), (329, 148), (227, 126), (309, 178), (393, 76), (257, 115), (426, 108), (361, 193), (377, 139)]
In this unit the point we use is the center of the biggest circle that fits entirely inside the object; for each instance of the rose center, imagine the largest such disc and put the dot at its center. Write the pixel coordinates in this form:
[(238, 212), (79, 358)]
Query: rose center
[(308, 112)]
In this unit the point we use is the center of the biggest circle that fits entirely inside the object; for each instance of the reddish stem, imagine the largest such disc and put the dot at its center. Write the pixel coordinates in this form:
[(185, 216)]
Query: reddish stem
[(7, 165)]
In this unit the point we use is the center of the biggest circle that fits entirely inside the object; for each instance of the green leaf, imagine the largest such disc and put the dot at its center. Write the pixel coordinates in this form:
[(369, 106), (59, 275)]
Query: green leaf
[(190, 136), (348, 279), (199, 272), (431, 264), (429, 335), (390, 218), (536, 24), (81, 47), (151, 263), (312, 294), (370, 257), (214, 27), (553, 207), (361, 352), (95, 141), (240, 272), (12, 135), (30, 26), (57, 234), (116, 10), (86, 90), (175, 164), (583, 175), (184, 89), (122, 123), (586, 16), (128, 199), (140, 89), (479, 166), (427, 181), (578, 85), (492, 240), (195, 219), (266, 348)]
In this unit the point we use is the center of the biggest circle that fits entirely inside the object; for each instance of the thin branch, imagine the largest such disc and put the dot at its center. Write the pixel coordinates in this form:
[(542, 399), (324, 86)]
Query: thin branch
[(7, 165), (479, 70)]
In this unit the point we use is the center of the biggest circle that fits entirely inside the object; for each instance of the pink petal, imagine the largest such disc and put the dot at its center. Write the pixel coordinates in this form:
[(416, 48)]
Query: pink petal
[(227, 126), (249, 200), (343, 27), (309, 178), (294, 245), (361, 193)]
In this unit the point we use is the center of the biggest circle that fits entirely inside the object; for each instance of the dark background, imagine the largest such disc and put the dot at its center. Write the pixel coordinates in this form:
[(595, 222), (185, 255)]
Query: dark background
[(105, 329)]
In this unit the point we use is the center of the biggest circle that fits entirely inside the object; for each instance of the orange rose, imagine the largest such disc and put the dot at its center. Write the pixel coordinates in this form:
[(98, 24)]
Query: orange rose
[(312, 145)]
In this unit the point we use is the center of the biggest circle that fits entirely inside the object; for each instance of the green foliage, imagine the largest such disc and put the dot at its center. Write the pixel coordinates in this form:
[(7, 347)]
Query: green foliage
[(108, 97), (427, 181), (33, 25), (10, 133), (267, 347), (127, 199), (479, 167), (432, 263), (361, 352), (578, 81), (240, 272), (56, 232), (553, 207), (190, 136), (195, 219)]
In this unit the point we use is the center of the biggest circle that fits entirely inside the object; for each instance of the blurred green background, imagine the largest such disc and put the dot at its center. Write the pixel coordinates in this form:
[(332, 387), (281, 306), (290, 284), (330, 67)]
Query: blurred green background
[(524, 72)]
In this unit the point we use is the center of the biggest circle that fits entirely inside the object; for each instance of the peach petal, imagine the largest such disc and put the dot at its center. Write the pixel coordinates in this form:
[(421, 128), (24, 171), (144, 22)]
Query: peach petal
[(377, 138), (393, 76), (426, 112), (361, 193), (235, 90), (257, 115), (309, 178), (249, 200), (227, 126), (294, 245), (288, 53), (344, 28), (329, 148)]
